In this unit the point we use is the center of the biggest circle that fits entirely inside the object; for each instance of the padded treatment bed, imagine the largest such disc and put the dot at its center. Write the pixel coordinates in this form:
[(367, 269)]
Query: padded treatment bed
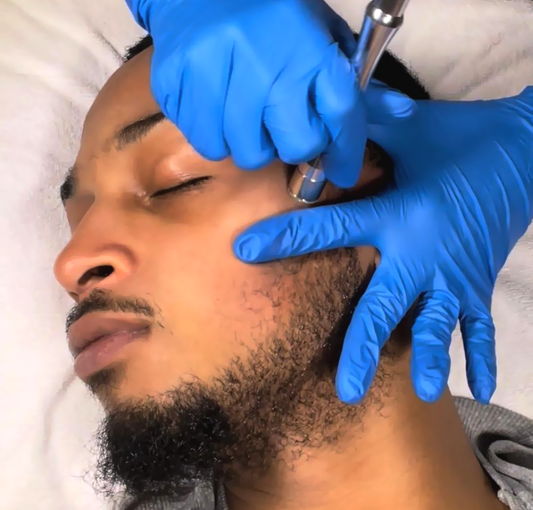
[(54, 57)]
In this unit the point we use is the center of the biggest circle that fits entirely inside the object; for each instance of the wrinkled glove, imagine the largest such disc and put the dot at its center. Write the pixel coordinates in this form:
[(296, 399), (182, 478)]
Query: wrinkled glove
[(259, 79), (463, 198)]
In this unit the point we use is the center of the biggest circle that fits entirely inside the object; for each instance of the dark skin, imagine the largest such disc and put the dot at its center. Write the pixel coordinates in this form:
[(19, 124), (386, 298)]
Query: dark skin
[(119, 181), (173, 249)]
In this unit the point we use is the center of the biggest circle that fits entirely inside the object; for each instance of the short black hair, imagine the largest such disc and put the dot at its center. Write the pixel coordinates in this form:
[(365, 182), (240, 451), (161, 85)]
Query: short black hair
[(390, 70), (141, 45)]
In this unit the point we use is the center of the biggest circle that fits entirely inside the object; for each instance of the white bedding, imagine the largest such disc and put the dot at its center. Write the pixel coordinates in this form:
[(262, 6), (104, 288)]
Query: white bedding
[(54, 56)]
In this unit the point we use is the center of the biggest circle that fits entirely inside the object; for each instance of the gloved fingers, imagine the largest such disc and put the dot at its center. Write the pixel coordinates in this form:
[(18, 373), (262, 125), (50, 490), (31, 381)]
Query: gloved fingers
[(387, 106), (524, 101), (175, 87), (419, 119), (436, 316), (248, 140), (527, 95), (477, 329), (294, 126), (339, 29), (429, 119), (521, 103), (388, 135), (387, 299), (142, 11), (309, 230), (339, 104)]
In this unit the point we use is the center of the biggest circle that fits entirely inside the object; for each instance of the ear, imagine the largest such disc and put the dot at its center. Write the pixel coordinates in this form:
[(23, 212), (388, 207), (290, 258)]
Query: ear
[(375, 176)]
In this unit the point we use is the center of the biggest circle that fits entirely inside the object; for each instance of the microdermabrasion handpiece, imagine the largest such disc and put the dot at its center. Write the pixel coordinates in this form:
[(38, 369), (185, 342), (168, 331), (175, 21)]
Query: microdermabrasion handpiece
[(382, 20)]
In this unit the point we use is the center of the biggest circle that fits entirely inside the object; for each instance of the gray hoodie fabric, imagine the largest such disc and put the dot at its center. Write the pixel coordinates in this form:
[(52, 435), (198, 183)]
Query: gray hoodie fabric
[(501, 439)]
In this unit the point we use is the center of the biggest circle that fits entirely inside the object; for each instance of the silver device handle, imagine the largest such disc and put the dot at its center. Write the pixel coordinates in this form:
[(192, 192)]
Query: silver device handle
[(382, 20)]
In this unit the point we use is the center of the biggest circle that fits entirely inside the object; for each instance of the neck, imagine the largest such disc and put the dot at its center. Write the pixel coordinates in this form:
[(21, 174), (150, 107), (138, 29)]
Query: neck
[(402, 453)]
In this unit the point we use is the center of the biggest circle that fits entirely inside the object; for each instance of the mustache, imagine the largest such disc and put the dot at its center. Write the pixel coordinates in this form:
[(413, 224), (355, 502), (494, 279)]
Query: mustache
[(100, 300)]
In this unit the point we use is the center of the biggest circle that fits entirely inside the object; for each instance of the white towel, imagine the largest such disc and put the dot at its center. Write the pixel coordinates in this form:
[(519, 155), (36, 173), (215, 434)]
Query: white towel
[(54, 56)]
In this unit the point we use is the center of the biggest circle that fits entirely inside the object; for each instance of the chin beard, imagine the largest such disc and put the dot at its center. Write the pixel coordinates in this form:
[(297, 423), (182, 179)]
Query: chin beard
[(281, 397), (157, 449)]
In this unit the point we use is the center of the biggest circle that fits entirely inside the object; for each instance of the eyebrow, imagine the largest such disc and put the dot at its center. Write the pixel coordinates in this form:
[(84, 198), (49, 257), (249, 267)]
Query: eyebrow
[(66, 190), (132, 133)]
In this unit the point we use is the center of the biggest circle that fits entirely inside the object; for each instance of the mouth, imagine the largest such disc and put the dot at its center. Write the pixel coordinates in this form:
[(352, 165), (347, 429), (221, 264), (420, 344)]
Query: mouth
[(97, 339)]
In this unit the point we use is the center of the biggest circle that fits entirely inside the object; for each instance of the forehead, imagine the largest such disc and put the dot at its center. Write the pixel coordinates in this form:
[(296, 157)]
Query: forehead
[(125, 98)]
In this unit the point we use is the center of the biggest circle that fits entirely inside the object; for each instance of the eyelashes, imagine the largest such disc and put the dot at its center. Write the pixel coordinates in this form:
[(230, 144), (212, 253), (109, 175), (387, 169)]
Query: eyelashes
[(182, 186)]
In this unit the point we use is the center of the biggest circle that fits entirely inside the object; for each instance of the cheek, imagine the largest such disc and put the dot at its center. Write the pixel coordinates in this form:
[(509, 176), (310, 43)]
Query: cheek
[(216, 309), (204, 274), (213, 306), (202, 259), (212, 302)]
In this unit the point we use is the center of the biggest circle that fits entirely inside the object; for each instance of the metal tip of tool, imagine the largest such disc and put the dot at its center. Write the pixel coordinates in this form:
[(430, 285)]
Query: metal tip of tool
[(382, 20), (394, 8), (308, 182)]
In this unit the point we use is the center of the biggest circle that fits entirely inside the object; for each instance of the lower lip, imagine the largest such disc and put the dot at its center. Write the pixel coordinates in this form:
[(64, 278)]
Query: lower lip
[(104, 351)]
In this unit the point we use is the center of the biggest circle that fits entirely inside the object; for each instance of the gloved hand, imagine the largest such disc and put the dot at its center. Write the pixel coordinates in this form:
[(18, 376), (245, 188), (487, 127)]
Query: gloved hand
[(463, 198), (259, 79)]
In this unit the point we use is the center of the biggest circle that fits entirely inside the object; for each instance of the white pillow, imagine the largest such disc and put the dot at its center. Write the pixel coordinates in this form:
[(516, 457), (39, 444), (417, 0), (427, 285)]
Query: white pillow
[(55, 55)]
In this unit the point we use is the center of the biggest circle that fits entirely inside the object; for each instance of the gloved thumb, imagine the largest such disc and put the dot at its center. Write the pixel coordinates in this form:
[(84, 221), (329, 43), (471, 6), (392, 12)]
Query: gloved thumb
[(439, 124), (386, 105)]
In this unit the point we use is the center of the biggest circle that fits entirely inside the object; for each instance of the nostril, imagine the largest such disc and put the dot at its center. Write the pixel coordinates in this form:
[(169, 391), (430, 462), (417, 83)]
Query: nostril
[(98, 273), (104, 271)]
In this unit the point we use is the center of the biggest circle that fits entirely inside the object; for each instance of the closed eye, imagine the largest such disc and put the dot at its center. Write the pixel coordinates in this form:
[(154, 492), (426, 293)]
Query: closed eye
[(182, 186)]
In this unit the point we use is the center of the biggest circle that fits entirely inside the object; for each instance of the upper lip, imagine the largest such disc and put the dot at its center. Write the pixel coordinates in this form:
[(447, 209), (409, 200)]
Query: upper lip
[(93, 326)]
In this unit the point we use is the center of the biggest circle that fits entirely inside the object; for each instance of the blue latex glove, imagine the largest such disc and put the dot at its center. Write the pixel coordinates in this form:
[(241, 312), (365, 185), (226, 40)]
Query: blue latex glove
[(259, 79), (464, 196)]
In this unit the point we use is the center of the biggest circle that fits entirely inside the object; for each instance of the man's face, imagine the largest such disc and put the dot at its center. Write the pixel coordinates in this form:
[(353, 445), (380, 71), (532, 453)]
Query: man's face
[(200, 337)]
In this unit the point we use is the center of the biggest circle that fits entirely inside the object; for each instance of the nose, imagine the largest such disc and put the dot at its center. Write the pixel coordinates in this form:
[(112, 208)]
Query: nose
[(83, 266)]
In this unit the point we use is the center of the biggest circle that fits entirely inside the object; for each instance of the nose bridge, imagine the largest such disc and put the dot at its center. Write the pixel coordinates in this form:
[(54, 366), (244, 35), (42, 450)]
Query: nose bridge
[(102, 251)]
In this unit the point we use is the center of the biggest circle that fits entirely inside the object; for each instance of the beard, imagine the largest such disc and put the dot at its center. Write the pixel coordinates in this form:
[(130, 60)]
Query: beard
[(280, 398)]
